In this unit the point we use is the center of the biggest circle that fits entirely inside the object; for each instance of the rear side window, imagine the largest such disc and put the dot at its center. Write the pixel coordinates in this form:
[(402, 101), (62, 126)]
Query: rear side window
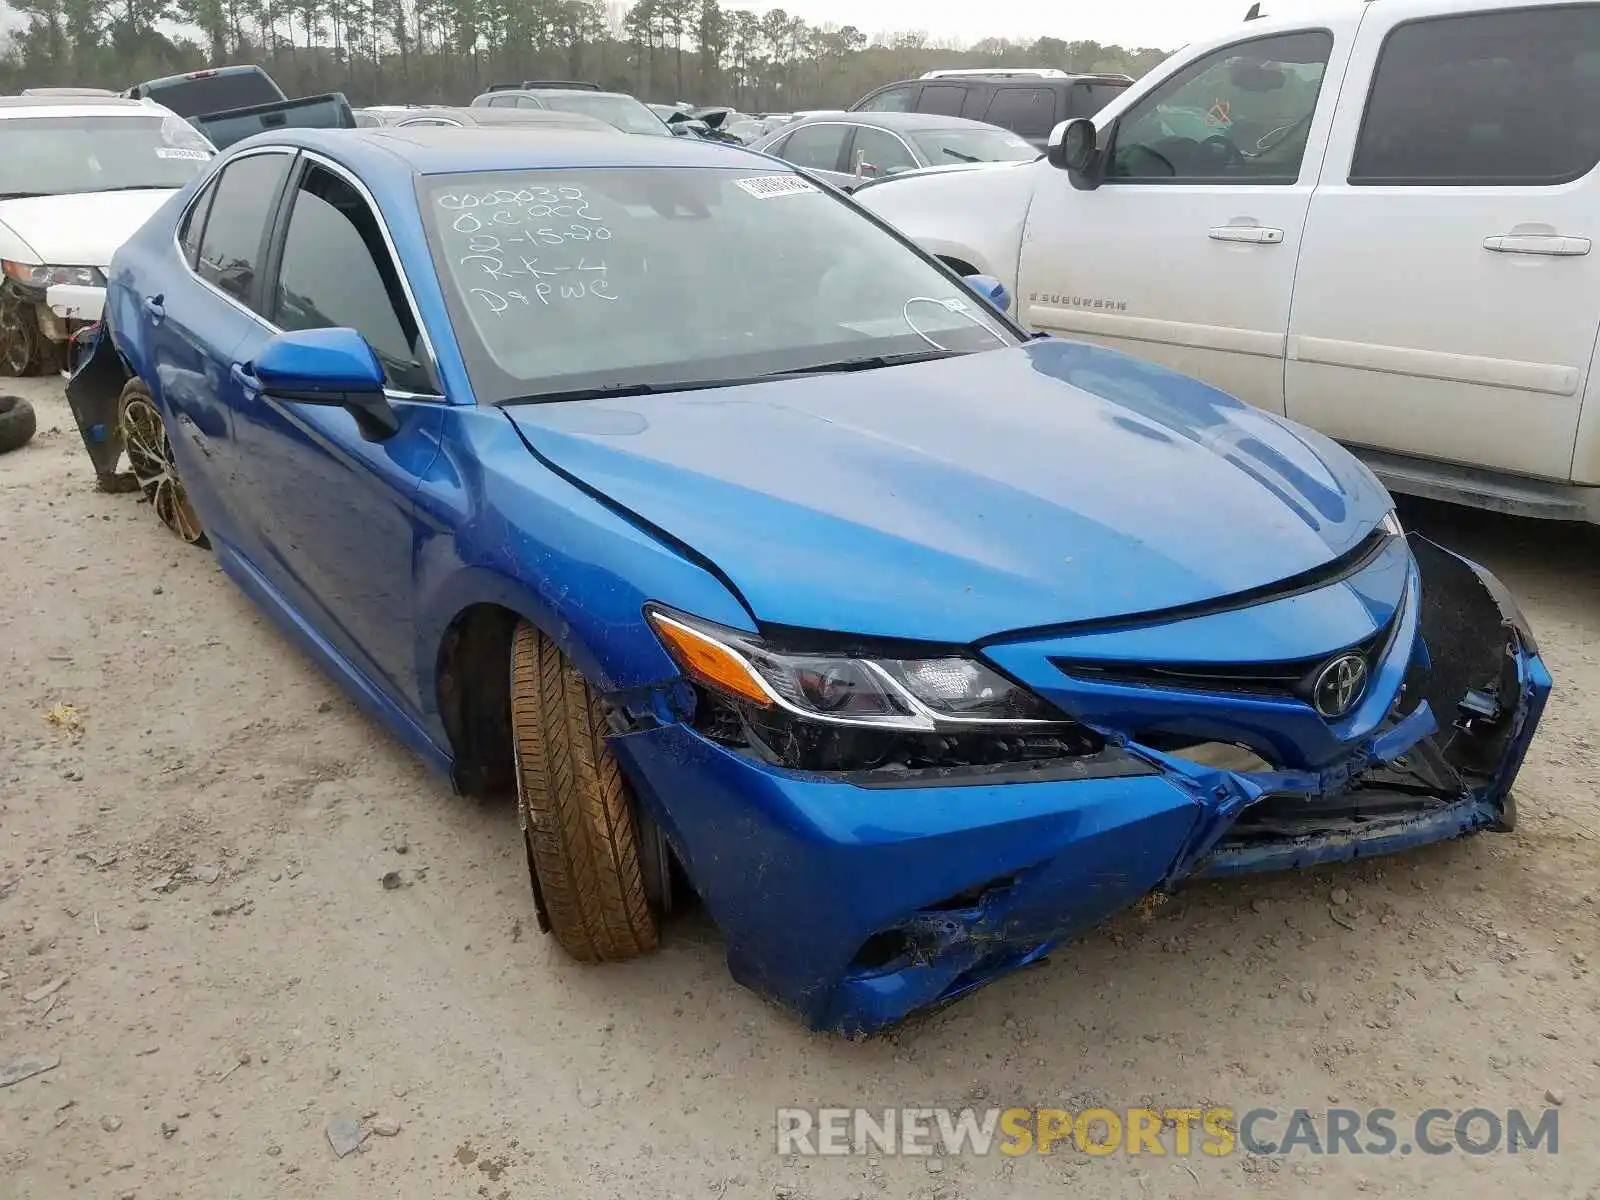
[(1028, 111), (816, 147), (194, 223), (1086, 99), (230, 248), (942, 98), (895, 99), (336, 271), (1497, 98), (503, 102)]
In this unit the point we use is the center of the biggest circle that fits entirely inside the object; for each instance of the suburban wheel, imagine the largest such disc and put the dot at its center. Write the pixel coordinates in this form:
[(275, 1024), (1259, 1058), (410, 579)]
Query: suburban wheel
[(150, 455), (17, 423), (578, 813)]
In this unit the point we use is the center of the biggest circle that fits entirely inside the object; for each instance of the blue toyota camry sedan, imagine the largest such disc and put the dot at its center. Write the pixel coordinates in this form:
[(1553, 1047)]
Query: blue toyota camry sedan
[(769, 563)]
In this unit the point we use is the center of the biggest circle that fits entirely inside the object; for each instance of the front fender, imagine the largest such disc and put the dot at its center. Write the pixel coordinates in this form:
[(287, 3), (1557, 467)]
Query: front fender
[(504, 529)]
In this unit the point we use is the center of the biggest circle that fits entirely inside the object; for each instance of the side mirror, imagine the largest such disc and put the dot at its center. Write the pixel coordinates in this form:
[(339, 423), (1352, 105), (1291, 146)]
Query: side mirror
[(1074, 147), (991, 290), (328, 366)]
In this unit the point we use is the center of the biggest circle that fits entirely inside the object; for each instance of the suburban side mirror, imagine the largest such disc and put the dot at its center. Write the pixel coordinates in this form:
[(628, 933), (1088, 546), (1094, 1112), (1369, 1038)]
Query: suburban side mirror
[(990, 289), (328, 366), (1074, 147)]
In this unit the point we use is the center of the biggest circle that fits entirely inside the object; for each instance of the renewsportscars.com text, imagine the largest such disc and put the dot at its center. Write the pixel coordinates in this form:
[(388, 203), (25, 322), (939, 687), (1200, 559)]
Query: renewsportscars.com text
[(1179, 1132)]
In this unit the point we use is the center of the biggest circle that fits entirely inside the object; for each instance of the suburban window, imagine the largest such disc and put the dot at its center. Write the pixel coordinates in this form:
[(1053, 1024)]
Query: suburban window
[(816, 147), (942, 98), (1242, 113), (1028, 111), (527, 102), (230, 248), (1490, 98), (503, 102), (896, 99), (877, 153), (337, 271), (193, 225)]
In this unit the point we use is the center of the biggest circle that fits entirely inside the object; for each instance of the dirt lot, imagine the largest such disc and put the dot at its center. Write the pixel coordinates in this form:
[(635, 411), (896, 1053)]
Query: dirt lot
[(200, 862)]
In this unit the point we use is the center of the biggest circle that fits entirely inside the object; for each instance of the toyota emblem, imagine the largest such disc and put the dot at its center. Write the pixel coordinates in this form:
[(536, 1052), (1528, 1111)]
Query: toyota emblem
[(1339, 686)]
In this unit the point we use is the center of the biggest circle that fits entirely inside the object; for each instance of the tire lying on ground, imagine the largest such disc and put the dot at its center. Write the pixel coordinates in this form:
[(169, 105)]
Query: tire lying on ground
[(578, 814), (17, 423)]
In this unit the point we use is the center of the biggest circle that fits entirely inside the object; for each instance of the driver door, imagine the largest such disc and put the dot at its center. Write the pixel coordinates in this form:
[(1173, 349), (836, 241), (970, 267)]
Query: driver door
[(1186, 254)]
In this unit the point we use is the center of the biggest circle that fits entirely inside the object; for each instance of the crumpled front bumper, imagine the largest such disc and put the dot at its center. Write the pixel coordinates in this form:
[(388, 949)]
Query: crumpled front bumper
[(857, 905)]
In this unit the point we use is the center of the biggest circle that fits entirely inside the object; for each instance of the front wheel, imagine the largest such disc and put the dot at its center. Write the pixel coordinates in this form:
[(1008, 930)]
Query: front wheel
[(578, 814), (144, 435)]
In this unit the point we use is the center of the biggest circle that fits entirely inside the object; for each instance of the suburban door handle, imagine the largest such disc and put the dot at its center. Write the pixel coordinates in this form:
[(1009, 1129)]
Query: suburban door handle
[(1552, 244), (1255, 235), (155, 309), (245, 378)]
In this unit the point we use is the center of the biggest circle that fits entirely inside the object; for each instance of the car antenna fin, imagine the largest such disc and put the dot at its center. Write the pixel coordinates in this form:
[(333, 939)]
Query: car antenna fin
[(1255, 12)]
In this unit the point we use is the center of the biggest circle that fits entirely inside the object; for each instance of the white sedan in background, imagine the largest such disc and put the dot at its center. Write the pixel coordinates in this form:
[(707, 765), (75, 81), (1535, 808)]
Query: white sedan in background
[(77, 176)]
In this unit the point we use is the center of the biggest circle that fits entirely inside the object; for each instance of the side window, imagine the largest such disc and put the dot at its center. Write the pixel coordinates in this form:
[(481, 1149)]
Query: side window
[(194, 223), (1028, 111), (942, 98), (1241, 114), (877, 154), (503, 102), (1487, 98), (337, 271), (527, 102), (242, 202), (895, 99), (817, 147)]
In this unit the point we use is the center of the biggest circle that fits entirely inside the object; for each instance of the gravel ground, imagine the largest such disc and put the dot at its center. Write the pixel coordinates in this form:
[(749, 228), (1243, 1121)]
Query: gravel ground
[(200, 861)]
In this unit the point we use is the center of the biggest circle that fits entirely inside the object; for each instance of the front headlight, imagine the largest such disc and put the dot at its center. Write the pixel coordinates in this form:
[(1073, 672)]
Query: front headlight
[(37, 275), (840, 711)]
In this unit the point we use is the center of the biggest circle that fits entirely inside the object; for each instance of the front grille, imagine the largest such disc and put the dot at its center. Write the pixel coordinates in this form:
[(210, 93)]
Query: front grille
[(1285, 679)]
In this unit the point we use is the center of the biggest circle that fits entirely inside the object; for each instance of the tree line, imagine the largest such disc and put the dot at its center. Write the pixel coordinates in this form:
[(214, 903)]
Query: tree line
[(446, 51)]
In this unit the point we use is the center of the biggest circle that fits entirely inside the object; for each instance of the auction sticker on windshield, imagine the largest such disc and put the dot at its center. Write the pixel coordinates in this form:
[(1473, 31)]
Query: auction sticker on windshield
[(765, 187), (181, 152)]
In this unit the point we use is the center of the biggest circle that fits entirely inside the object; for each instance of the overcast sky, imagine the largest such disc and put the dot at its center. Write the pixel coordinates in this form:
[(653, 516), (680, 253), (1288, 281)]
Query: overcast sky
[(1164, 23)]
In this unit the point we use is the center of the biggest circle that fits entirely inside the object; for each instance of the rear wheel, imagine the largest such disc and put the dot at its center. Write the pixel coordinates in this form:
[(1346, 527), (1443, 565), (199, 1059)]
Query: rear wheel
[(144, 435), (578, 813)]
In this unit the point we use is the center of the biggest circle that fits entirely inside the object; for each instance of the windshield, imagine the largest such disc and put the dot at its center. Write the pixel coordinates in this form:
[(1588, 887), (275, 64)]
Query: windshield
[(564, 281), (198, 95), (945, 146), (53, 156), (626, 113)]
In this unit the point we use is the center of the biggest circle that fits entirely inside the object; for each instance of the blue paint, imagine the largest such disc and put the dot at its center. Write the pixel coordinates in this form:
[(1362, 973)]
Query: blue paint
[(1032, 505)]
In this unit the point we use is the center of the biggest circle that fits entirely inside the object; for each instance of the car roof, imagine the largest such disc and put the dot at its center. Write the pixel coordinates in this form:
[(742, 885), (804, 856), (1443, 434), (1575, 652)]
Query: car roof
[(75, 106), (545, 118), (385, 151), (899, 122)]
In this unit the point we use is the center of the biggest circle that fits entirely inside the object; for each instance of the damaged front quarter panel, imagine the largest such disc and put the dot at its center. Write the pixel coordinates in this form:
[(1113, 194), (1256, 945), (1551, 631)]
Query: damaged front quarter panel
[(94, 392)]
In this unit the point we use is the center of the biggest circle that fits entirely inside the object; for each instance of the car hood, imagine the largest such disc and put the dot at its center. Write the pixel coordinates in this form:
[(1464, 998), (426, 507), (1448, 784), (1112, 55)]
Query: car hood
[(959, 499), (82, 229), (946, 169)]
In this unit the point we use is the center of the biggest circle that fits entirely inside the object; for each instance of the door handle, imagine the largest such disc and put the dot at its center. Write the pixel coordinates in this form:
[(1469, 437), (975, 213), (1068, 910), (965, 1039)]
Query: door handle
[(1550, 244), (1255, 235), (245, 378), (155, 309)]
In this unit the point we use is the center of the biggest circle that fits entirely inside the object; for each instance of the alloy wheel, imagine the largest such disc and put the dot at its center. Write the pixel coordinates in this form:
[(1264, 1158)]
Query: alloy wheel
[(150, 455)]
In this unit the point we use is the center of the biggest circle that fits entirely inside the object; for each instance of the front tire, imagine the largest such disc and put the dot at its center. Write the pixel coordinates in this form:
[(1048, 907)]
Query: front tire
[(578, 815), (144, 435)]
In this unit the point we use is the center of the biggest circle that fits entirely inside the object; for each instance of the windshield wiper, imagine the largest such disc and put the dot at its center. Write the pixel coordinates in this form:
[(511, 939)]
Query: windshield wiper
[(959, 155), (612, 391), (23, 195), (871, 362), (139, 187)]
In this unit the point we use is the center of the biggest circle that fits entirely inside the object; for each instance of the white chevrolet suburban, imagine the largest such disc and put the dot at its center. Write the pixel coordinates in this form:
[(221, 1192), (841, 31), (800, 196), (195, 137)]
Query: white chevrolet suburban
[(1378, 223)]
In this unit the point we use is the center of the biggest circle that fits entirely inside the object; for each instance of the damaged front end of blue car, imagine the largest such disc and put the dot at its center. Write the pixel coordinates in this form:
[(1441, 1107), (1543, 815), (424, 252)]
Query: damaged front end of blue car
[(1388, 702)]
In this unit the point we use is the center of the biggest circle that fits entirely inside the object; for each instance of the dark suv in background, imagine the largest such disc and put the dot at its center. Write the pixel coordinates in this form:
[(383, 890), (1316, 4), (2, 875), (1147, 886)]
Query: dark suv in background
[(1030, 103)]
